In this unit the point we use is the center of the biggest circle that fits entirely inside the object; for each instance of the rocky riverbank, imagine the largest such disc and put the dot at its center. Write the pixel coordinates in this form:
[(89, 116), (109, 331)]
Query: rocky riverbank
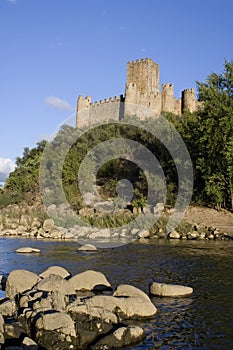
[(31, 221), (57, 311)]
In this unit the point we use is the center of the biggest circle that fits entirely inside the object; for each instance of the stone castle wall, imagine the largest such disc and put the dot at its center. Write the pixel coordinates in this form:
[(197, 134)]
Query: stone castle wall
[(142, 89)]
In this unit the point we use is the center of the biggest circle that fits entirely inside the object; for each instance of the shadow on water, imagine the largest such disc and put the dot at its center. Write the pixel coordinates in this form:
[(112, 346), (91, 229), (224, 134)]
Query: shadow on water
[(203, 321)]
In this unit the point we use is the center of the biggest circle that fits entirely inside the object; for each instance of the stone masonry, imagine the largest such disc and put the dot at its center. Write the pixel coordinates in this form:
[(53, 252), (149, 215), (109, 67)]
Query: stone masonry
[(142, 89)]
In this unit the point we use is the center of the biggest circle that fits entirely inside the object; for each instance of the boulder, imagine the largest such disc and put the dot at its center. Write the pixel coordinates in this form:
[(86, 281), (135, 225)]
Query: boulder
[(169, 290), (7, 307), (124, 307), (20, 281), (88, 280), (121, 337), (95, 319), (53, 283), (54, 300), (48, 225), (55, 331), (26, 250), (126, 290), (87, 247), (174, 235), (55, 270)]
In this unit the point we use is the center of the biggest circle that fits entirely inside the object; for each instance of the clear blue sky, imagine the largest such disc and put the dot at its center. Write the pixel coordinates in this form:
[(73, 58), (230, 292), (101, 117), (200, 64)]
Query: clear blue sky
[(63, 48)]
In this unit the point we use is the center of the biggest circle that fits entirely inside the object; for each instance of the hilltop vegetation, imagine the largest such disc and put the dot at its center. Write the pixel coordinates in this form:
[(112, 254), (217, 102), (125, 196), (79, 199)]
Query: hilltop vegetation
[(207, 133)]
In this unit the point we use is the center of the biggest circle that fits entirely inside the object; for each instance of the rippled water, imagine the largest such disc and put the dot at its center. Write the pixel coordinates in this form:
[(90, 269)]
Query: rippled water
[(203, 321)]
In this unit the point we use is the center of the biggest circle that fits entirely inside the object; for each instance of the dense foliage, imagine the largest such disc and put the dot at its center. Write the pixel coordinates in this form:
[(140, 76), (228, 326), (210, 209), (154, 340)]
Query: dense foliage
[(207, 133)]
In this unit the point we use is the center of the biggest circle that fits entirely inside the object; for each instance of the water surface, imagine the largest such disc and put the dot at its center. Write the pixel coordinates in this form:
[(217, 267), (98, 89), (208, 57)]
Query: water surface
[(202, 321)]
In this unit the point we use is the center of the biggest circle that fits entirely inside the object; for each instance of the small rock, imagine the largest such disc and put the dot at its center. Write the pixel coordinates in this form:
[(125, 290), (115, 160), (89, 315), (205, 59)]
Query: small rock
[(192, 235), (169, 290), (143, 234), (87, 247), (26, 250), (29, 344), (174, 235)]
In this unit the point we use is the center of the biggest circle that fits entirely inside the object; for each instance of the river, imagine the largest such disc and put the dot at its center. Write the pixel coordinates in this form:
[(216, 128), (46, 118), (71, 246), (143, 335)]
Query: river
[(203, 321)]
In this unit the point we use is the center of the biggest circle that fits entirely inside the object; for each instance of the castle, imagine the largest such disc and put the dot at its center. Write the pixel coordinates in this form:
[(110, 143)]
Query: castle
[(142, 89)]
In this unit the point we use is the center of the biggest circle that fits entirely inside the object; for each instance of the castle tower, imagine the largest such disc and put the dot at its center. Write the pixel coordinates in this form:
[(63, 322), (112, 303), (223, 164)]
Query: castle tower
[(167, 97), (83, 104), (142, 87), (144, 75), (189, 102)]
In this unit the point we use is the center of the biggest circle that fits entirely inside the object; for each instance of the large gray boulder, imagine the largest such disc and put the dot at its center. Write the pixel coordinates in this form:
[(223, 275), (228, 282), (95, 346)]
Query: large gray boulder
[(121, 337), (87, 280), (55, 331), (20, 281), (169, 290), (124, 307), (55, 270)]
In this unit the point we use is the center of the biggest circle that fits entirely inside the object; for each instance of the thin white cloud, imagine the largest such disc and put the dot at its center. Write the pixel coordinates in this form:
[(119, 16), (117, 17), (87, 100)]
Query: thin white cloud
[(6, 166), (12, 1), (58, 103)]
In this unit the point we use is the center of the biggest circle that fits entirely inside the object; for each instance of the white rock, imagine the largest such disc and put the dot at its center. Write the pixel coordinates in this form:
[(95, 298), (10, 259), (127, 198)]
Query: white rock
[(87, 247), (174, 235), (26, 250), (169, 290)]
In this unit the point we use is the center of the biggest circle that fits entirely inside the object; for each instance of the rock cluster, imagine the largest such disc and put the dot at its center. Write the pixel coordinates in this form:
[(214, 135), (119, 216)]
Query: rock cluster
[(57, 311), (200, 233)]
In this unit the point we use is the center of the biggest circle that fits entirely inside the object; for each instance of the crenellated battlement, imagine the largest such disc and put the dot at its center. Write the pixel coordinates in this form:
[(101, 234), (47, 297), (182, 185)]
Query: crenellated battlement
[(142, 88)]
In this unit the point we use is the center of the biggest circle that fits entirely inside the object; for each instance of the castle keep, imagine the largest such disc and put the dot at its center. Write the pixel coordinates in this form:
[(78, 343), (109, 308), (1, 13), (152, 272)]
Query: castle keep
[(142, 89)]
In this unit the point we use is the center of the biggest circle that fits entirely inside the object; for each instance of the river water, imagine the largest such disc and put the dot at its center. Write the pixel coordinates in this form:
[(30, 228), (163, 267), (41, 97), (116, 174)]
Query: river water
[(202, 321)]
